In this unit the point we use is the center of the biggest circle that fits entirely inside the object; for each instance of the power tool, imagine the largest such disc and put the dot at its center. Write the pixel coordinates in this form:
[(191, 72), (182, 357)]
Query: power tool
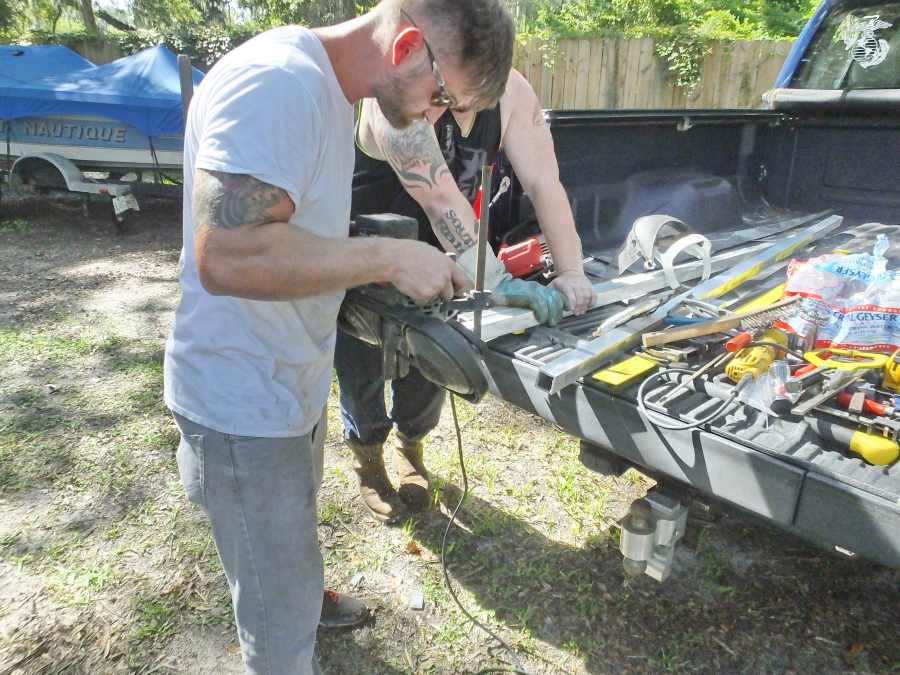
[(756, 360), (409, 334)]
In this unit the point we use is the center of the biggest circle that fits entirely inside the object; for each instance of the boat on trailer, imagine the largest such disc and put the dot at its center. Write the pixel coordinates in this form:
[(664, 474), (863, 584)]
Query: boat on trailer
[(66, 123), (92, 143)]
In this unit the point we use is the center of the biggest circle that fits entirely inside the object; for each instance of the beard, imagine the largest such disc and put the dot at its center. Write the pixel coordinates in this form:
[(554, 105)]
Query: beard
[(392, 94)]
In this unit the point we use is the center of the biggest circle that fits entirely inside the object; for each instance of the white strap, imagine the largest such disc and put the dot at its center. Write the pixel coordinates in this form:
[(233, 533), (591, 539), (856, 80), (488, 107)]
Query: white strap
[(693, 244), (641, 240)]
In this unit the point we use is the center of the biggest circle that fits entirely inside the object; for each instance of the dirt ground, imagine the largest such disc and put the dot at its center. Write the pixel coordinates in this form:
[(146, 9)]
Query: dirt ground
[(106, 568)]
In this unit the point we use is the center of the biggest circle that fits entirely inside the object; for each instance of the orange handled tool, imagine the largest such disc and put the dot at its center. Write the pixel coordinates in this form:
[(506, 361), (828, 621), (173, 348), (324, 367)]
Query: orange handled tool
[(869, 406), (803, 370), (739, 341)]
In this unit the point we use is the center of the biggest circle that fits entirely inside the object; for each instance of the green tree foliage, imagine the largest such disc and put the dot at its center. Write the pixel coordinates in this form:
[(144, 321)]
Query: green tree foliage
[(46, 15), (158, 14), (719, 19), (6, 15), (306, 12)]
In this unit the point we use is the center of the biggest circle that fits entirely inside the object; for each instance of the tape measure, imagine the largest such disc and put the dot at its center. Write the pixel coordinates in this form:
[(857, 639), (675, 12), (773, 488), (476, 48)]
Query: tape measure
[(851, 359)]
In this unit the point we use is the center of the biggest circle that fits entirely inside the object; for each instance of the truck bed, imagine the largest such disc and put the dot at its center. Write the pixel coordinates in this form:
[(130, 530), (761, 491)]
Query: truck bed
[(720, 171)]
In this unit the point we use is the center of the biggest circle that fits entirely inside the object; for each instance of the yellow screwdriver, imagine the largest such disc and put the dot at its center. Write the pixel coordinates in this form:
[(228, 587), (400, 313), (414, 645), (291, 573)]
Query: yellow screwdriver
[(876, 450)]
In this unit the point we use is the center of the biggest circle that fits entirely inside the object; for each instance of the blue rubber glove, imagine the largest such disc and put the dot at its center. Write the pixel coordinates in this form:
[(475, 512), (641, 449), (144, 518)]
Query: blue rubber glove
[(547, 303)]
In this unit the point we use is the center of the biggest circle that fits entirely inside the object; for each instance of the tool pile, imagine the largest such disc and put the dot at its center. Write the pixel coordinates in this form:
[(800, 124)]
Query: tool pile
[(848, 397), (758, 325)]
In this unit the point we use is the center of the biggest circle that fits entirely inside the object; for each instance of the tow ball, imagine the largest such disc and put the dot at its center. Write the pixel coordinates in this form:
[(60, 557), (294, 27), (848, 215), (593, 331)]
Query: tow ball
[(650, 532)]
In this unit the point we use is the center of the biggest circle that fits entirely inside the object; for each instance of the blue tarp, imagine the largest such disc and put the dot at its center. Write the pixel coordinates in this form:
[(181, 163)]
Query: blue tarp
[(27, 63), (141, 90)]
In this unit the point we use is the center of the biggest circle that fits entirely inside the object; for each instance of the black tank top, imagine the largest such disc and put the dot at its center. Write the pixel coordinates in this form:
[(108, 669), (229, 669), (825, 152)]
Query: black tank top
[(376, 188)]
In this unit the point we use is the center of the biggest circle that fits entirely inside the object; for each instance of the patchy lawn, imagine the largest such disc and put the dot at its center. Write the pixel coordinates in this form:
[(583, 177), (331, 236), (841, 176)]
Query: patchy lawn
[(105, 567)]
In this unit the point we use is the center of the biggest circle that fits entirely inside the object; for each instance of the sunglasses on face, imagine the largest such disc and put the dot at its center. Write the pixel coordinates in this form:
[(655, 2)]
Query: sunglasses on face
[(442, 98)]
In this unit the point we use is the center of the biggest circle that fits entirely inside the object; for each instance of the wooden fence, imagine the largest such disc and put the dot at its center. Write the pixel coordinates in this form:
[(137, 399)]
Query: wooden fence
[(608, 73)]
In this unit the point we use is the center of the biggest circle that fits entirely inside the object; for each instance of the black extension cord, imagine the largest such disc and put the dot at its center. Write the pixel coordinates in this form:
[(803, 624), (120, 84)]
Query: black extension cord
[(468, 615)]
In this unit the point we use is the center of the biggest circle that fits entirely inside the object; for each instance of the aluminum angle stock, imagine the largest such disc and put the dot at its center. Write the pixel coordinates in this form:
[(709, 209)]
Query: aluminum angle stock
[(501, 321), (567, 369)]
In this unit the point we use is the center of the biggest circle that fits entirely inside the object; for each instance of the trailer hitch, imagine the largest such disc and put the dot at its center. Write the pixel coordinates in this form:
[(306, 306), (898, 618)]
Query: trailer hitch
[(651, 530)]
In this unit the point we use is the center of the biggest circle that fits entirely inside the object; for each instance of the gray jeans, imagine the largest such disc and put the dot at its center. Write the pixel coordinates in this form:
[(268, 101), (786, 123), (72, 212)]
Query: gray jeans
[(260, 496)]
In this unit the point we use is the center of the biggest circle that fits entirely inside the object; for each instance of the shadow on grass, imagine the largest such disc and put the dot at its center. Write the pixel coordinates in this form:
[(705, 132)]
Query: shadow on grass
[(59, 237), (42, 428), (580, 601), (343, 652)]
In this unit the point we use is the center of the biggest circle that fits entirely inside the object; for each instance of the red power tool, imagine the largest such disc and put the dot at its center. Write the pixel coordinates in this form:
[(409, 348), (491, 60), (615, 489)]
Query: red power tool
[(526, 257)]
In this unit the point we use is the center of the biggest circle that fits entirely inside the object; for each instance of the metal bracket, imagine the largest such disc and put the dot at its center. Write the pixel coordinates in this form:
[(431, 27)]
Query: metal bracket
[(651, 530), (684, 124)]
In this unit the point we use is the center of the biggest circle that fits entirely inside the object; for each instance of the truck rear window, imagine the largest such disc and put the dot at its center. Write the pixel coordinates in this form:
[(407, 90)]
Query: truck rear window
[(857, 47)]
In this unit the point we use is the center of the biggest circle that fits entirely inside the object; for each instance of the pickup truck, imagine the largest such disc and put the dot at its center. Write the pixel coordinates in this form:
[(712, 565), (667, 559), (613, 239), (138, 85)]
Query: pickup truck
[(827, 145)]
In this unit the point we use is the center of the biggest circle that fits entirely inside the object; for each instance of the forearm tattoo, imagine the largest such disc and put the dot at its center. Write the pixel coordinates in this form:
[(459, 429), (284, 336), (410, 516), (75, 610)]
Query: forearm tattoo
[(231, 200), (451, 228), (415, 156)]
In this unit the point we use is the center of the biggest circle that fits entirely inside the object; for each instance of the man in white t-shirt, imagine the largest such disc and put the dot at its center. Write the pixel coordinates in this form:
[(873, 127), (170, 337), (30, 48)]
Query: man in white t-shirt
[(268, 167)]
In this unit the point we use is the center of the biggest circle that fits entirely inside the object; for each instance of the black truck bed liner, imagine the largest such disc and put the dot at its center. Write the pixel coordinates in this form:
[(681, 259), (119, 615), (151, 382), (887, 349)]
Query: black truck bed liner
[(724, 170)]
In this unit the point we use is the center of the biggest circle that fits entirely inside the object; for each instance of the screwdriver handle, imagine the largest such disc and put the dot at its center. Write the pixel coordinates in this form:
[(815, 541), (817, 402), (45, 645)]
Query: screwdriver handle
[(876, 450), (739, 341), (869, 406), (803, 370)]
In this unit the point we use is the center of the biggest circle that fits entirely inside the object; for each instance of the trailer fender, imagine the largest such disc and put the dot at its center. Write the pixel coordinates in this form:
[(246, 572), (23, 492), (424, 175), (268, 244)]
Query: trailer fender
[(47, 169)]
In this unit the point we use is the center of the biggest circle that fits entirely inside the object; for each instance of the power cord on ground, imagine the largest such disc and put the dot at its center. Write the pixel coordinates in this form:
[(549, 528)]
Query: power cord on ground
[(468, 615)]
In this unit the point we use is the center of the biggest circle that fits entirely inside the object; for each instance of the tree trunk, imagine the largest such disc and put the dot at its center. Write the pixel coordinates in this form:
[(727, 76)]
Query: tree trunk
[(329, 12), (348, 10), (114, 22), (87, 16), (55, 20)]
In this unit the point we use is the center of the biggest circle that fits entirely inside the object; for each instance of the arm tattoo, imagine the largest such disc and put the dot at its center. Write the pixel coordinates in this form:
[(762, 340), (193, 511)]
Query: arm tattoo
[(231, 200), (415, 155), (451, 227), (538, 117)]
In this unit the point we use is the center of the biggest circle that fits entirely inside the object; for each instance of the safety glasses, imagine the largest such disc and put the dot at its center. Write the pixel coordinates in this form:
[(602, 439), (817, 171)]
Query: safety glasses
[(442, 98)]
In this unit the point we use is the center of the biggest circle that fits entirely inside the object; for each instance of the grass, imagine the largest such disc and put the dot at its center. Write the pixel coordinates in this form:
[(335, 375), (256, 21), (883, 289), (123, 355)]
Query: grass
[(80, 584), (19, 344), (716, 568), (42, 442), (124, 570), (17, 225), (583, 495), (670, 659), (155, 621)]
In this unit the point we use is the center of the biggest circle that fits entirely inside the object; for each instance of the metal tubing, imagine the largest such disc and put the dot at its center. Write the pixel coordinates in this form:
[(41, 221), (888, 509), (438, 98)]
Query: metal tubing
[(484, 218)]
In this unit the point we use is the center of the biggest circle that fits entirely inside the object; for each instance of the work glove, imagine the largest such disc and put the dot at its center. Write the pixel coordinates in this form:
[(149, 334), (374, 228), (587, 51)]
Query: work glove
[(547, 303)]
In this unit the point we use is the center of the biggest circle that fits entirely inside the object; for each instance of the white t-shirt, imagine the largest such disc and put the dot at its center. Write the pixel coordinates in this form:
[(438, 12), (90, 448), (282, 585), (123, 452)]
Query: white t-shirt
[(273, 109)]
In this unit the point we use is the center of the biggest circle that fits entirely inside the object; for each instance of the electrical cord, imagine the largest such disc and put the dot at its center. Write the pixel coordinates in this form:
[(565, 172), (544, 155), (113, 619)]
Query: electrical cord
[(468, 615), (655, 419)]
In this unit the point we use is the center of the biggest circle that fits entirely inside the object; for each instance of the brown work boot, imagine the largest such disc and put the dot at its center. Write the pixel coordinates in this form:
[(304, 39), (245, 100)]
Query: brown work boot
[(375, 489), (410, 467)]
